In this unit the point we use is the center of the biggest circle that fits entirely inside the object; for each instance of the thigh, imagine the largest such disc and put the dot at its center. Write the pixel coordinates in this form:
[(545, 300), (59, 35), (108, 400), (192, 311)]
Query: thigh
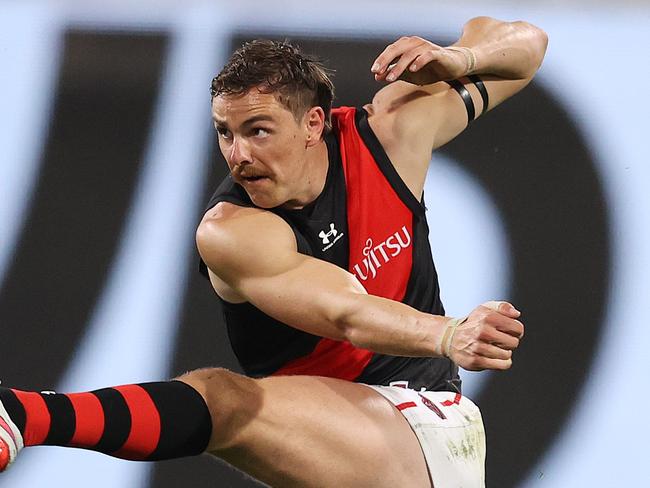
[(450, 429), (323, 432)]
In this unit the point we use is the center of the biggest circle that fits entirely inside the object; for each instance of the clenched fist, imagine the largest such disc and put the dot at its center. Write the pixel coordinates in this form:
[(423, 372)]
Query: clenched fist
[(486, 339)]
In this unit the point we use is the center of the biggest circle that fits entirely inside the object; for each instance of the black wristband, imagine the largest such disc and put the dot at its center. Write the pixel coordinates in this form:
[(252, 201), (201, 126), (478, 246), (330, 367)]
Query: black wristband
[(480, 86), (467, 98)]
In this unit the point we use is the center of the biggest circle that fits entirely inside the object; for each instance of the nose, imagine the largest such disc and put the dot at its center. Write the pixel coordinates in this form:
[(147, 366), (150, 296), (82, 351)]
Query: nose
[(240, 152)]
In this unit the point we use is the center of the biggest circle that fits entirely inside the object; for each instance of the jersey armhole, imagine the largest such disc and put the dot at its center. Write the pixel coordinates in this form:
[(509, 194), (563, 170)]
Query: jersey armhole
[(384, 163)]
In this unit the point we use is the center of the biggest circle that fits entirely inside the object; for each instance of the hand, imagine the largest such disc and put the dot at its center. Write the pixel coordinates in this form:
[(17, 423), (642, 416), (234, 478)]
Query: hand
[(421, 62), (487, 338)]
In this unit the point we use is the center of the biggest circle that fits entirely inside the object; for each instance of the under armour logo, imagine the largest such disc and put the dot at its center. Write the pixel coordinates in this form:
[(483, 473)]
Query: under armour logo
[(326, 237)]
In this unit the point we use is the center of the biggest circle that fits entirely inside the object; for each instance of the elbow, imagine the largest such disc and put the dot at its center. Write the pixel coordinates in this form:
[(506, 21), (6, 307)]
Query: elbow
[(540, 44), (358, 329), (355, 335), (345, 326), (347, 317), (537, 43)]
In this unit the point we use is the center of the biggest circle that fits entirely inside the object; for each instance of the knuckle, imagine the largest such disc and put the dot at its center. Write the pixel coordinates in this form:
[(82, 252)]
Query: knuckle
[(476, 348), (478, 314), (517, 328), (503, 365), (474, 363), (480, 348), (488, 311), (489, 316), (484, 334)]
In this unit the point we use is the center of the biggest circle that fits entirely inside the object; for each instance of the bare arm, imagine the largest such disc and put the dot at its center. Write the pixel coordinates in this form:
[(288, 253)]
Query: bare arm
[(420, 112), (323, 299), (509, 50)]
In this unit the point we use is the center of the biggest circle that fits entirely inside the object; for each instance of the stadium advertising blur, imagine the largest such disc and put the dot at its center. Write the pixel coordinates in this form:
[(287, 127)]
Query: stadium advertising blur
[(108, 155)]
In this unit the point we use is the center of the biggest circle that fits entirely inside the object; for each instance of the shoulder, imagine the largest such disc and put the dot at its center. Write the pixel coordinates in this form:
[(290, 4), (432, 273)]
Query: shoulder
[(230, 237), (226, 225)]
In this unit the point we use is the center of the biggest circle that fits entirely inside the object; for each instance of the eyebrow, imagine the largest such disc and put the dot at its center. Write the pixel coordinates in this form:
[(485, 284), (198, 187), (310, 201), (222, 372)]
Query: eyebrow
[(258, 118), (247, 122)]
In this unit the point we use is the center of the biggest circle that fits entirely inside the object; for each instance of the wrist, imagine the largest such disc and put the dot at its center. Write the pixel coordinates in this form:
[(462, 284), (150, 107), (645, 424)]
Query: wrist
[(470, 58), (447, 337)]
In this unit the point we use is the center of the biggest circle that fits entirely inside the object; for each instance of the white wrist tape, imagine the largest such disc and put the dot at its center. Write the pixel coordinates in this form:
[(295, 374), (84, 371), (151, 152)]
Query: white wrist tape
[(448, 335), (470, 57)]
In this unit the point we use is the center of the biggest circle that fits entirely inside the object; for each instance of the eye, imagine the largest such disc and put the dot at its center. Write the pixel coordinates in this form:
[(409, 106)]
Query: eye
[(261, 132), (223, 133)]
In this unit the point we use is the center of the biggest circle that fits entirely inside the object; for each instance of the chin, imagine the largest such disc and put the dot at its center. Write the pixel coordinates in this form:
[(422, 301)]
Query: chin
[(264, 201)]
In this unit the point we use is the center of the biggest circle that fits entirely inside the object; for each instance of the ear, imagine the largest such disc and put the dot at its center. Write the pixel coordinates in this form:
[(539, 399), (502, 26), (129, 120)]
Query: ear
[(314, 121)]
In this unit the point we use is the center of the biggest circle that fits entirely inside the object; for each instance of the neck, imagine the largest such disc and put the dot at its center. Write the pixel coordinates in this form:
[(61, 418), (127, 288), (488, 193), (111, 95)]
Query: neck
[(315, 176)]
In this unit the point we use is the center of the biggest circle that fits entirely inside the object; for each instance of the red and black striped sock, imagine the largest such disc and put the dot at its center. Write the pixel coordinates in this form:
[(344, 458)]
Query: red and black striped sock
[(143, 422)]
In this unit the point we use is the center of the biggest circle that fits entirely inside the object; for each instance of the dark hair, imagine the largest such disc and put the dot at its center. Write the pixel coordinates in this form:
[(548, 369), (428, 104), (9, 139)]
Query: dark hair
[(298, 80)]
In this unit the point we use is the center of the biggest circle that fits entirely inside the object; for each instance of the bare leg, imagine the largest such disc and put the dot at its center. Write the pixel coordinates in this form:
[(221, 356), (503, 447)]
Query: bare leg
[(307, 431)]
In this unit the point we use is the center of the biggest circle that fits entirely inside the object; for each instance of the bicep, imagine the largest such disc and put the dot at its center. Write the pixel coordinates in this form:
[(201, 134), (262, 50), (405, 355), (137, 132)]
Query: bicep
[(298, 290)]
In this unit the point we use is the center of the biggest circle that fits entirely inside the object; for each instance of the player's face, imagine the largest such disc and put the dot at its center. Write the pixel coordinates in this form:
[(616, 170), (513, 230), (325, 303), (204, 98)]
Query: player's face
[(264, 146)]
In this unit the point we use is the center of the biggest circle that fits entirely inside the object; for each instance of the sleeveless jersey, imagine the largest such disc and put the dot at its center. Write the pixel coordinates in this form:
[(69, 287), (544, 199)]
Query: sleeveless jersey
[(368, 222)]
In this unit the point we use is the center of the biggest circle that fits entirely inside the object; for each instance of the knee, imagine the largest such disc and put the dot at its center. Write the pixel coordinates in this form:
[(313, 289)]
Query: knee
[(232, 399)]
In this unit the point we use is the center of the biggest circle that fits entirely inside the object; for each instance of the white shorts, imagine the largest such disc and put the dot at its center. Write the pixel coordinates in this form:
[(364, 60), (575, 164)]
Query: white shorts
[(450, 430)]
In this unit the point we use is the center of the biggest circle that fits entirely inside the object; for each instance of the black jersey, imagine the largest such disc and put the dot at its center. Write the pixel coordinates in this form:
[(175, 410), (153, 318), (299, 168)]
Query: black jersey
[(368, 222)]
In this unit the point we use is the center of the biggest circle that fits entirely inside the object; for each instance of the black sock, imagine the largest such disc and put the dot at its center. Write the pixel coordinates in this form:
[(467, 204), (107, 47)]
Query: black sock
[(148, 421)]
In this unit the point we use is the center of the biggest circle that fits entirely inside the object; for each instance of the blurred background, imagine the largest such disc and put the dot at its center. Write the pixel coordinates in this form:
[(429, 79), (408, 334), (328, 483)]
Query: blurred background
[(108, 156)]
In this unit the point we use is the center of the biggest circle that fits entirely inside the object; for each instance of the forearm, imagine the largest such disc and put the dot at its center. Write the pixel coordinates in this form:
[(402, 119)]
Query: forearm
[(511, 50), (391, 327)]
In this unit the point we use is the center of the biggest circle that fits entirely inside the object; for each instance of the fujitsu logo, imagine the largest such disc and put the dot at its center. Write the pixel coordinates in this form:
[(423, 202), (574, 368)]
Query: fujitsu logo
[(382, 253)]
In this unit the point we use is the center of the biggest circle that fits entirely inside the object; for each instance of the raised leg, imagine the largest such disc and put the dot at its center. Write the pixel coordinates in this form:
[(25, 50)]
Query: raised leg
[(286, 431), (309, 431)]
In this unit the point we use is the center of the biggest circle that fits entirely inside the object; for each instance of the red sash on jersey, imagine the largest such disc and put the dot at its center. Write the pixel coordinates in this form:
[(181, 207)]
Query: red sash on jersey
[(380, 233)]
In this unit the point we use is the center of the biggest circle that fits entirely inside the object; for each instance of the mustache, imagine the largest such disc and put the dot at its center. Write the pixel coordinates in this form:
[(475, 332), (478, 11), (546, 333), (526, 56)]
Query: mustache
[(246, 171)]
